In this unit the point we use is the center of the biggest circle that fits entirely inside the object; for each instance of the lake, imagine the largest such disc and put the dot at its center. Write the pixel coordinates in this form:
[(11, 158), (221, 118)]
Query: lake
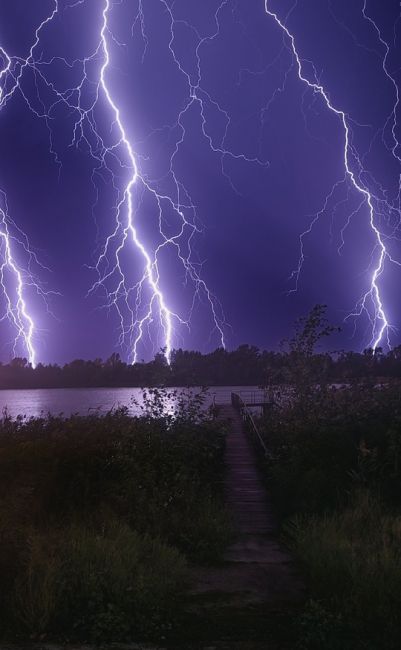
[(83, 401)]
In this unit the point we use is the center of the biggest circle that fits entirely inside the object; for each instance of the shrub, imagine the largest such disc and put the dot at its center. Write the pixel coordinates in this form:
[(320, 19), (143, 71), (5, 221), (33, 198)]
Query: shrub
[(86, 584), (334, 468), (165, 481), (97, 515), (324, 443), (353, 562)]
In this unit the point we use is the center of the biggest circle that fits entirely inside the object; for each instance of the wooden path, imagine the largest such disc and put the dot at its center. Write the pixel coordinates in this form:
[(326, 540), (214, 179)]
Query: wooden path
[(258, 570), (244, 491)]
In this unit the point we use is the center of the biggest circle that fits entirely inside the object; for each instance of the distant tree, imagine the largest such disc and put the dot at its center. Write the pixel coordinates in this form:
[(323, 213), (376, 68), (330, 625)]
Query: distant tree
[(300, 362), (19, 362), (114, 360), (310, 330), (304, 366)]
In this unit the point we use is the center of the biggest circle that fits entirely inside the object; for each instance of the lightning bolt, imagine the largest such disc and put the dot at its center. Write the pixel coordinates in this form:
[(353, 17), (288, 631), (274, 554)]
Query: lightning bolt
[(16, 279), (129, 272), (182, 206), (374, 200), (151, 273), (12, 282), (179, 201)]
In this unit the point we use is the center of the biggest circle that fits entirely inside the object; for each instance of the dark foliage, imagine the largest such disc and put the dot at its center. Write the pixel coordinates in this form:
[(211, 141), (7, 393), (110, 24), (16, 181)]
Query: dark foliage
[(333, 439), (246, 366), (333, 467), (98, 516)]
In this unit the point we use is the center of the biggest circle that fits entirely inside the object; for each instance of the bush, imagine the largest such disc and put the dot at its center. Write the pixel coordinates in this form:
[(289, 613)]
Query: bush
[(335, 474), (164, 481), (323, 443), (93, 585), (352, 559), (320, 628), (99, 514)]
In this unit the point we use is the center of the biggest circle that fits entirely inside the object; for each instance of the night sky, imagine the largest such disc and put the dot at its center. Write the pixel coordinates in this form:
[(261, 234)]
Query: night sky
[(284, 153)]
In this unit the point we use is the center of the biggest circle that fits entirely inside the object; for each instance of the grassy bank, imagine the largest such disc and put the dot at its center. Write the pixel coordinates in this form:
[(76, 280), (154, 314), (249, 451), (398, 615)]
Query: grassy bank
[(99, 517), (335, 473)]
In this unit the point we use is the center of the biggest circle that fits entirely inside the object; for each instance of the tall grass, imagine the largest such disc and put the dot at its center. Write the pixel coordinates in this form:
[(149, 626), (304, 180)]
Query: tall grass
[(334, 471), (163, 482), (98, 519), (93, 585), (352, 559)]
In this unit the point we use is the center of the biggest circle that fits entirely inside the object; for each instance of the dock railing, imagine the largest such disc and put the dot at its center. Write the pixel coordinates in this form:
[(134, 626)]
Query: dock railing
[(239, 404)]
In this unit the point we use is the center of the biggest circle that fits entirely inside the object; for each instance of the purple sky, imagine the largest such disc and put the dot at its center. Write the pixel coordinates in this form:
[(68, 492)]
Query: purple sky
[(284, 153)]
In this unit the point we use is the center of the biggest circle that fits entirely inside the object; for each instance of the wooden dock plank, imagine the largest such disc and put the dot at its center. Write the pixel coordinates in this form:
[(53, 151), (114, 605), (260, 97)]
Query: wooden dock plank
[(257, 569)]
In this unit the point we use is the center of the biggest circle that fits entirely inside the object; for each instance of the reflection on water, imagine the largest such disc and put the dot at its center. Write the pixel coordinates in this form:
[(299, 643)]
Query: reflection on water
[(83, 401)]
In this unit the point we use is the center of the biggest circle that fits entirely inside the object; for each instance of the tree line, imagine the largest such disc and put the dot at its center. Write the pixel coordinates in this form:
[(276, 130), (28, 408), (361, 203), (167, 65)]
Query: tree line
[(245, 366), (298, 361)]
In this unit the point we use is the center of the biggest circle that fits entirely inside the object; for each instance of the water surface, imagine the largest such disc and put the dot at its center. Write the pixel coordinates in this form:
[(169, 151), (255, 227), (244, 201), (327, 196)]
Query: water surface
[(83, 401)]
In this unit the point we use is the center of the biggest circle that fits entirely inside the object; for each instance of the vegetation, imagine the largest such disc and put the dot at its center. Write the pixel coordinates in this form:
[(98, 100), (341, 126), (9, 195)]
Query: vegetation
[(99, 517), (335, 473), (352, 559), (246, 366)]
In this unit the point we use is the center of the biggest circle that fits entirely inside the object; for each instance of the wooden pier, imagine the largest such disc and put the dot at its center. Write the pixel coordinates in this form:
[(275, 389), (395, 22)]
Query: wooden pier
[(258, 571), (248, 500)]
